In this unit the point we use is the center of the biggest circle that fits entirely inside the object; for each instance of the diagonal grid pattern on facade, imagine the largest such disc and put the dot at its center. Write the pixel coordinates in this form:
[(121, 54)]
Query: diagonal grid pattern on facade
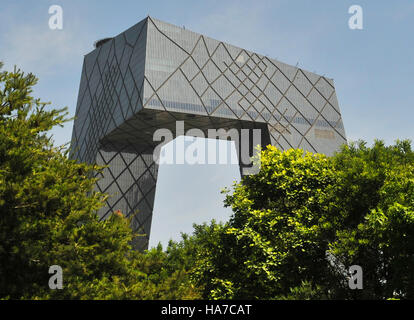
[(155, 74)]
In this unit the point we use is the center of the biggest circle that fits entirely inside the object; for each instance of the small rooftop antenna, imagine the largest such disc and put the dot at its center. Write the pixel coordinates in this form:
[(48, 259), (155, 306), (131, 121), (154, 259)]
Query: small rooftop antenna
[(100, 42)]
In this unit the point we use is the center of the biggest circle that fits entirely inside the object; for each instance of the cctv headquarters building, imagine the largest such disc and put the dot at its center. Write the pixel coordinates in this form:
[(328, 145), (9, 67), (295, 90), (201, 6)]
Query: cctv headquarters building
[(155, 74)]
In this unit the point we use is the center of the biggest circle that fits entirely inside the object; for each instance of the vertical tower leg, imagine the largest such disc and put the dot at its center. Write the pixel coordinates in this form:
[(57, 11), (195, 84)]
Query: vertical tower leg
[(246, 147), (130, 181)]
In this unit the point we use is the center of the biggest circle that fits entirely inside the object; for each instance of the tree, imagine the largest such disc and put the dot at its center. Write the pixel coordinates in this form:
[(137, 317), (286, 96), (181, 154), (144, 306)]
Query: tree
[(48, 215), (304, 219), (375, 196)]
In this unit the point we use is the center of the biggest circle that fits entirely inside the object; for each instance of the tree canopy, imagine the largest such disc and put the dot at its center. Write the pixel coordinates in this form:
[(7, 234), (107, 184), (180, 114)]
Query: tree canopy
[(297, 225), (304, 219), (48, 216)]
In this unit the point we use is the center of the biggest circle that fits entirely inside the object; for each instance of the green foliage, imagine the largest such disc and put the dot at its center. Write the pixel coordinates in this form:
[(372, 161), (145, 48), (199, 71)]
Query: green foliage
[(210, 249), (166, 273), (304, 219), (297, 225), (273, 241), (306, 291), (376, 190), (48, 216)]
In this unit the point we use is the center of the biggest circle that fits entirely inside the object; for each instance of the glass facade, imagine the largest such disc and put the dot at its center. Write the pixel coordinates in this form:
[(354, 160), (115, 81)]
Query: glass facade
[(155, 73)]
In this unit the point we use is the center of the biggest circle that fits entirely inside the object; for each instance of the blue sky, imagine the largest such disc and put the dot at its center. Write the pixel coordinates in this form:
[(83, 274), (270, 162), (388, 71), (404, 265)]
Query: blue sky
[(372, 68)]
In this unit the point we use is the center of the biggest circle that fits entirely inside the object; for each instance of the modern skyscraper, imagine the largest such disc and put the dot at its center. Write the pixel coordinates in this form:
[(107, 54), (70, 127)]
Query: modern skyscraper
[(155, 74)]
